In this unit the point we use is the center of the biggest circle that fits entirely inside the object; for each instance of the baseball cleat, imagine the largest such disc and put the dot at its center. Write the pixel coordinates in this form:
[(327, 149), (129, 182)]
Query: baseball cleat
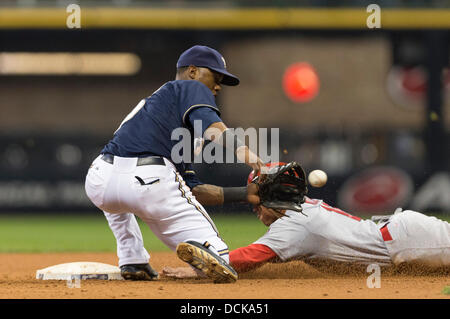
[(138, 272), (206, 261)]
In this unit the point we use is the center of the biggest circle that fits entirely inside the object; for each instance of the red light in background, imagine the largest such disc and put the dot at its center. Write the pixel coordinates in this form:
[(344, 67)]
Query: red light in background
[(301, 82)]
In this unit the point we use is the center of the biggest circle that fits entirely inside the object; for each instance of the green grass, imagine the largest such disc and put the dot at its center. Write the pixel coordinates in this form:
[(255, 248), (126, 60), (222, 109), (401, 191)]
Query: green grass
[(53, 233), (90, 233)]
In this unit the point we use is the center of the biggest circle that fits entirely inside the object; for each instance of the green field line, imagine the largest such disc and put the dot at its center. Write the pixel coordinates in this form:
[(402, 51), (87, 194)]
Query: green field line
[(90, 233)]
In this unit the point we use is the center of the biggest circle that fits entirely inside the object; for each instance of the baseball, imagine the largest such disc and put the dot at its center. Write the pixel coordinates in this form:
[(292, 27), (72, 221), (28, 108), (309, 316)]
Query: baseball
[(317, 178)]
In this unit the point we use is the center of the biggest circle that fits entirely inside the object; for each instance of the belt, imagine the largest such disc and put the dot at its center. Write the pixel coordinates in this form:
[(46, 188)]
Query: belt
[(150, 160), (385, 233)]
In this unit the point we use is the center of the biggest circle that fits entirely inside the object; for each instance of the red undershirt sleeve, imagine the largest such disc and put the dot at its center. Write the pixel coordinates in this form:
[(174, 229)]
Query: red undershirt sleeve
[(246, 258)]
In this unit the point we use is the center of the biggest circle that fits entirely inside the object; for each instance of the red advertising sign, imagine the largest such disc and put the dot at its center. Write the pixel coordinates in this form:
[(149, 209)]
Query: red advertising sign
[(376, 190)]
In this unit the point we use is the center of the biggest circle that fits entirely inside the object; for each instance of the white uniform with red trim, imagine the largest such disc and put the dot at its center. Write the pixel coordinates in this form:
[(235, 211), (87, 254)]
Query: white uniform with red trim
[(412, 236), (332, 234)]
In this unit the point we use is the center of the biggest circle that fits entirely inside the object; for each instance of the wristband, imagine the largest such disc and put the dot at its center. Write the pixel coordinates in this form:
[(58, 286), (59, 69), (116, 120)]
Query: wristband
[(234, 194)]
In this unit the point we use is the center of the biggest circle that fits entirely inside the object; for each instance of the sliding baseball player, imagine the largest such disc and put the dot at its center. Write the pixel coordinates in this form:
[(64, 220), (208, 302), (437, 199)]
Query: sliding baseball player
[(322, 232)]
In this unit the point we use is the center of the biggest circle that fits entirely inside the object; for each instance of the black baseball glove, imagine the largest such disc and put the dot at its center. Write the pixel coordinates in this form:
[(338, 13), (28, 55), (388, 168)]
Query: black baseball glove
[(283, 187)]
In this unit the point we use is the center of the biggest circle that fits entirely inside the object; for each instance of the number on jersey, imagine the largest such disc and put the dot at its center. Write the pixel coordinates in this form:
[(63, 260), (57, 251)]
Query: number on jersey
[(136, 109), (331, 209)]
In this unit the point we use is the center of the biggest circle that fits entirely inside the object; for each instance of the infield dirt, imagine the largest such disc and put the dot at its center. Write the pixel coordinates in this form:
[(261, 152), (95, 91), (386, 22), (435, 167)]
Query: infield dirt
[(293, 280)]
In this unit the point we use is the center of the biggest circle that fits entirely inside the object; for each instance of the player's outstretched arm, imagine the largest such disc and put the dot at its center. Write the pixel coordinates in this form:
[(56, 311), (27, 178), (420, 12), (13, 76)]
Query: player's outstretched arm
[(208, 194), (251, 257), (179, 272), (220, 134), (211, 195)]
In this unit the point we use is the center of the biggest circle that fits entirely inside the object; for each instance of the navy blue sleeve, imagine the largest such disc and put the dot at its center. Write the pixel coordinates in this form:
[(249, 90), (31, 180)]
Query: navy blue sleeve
[(194, 95), (190, 177), (206, 116)]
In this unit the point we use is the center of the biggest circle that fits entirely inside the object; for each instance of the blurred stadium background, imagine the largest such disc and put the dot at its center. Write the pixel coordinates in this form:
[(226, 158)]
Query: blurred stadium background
[(379, 125)]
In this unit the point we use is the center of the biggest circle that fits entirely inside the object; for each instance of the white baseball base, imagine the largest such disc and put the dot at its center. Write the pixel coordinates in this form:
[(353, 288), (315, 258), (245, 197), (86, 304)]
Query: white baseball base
[(80, 270)]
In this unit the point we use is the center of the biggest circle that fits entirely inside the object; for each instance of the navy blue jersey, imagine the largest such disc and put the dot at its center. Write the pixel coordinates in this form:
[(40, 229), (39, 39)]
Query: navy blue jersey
[(147, 130)]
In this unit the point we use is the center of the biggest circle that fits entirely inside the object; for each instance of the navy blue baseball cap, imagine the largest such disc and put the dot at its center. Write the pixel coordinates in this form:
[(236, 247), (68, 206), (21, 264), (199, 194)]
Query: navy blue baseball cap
[(203, 56)]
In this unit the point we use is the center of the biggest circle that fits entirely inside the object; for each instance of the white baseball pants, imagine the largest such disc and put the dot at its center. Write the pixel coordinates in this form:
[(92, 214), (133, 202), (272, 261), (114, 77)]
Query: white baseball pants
[(415, 237), (165, 203)]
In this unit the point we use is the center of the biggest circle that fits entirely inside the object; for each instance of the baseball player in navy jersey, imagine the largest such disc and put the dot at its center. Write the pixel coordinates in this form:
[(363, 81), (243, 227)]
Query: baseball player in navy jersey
[(135, 174), (324, 233)]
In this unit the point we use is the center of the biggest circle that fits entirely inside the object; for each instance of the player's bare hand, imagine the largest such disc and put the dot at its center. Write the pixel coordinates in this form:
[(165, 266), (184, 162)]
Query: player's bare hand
[(252, 194), (178, 272), (245, 155)]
